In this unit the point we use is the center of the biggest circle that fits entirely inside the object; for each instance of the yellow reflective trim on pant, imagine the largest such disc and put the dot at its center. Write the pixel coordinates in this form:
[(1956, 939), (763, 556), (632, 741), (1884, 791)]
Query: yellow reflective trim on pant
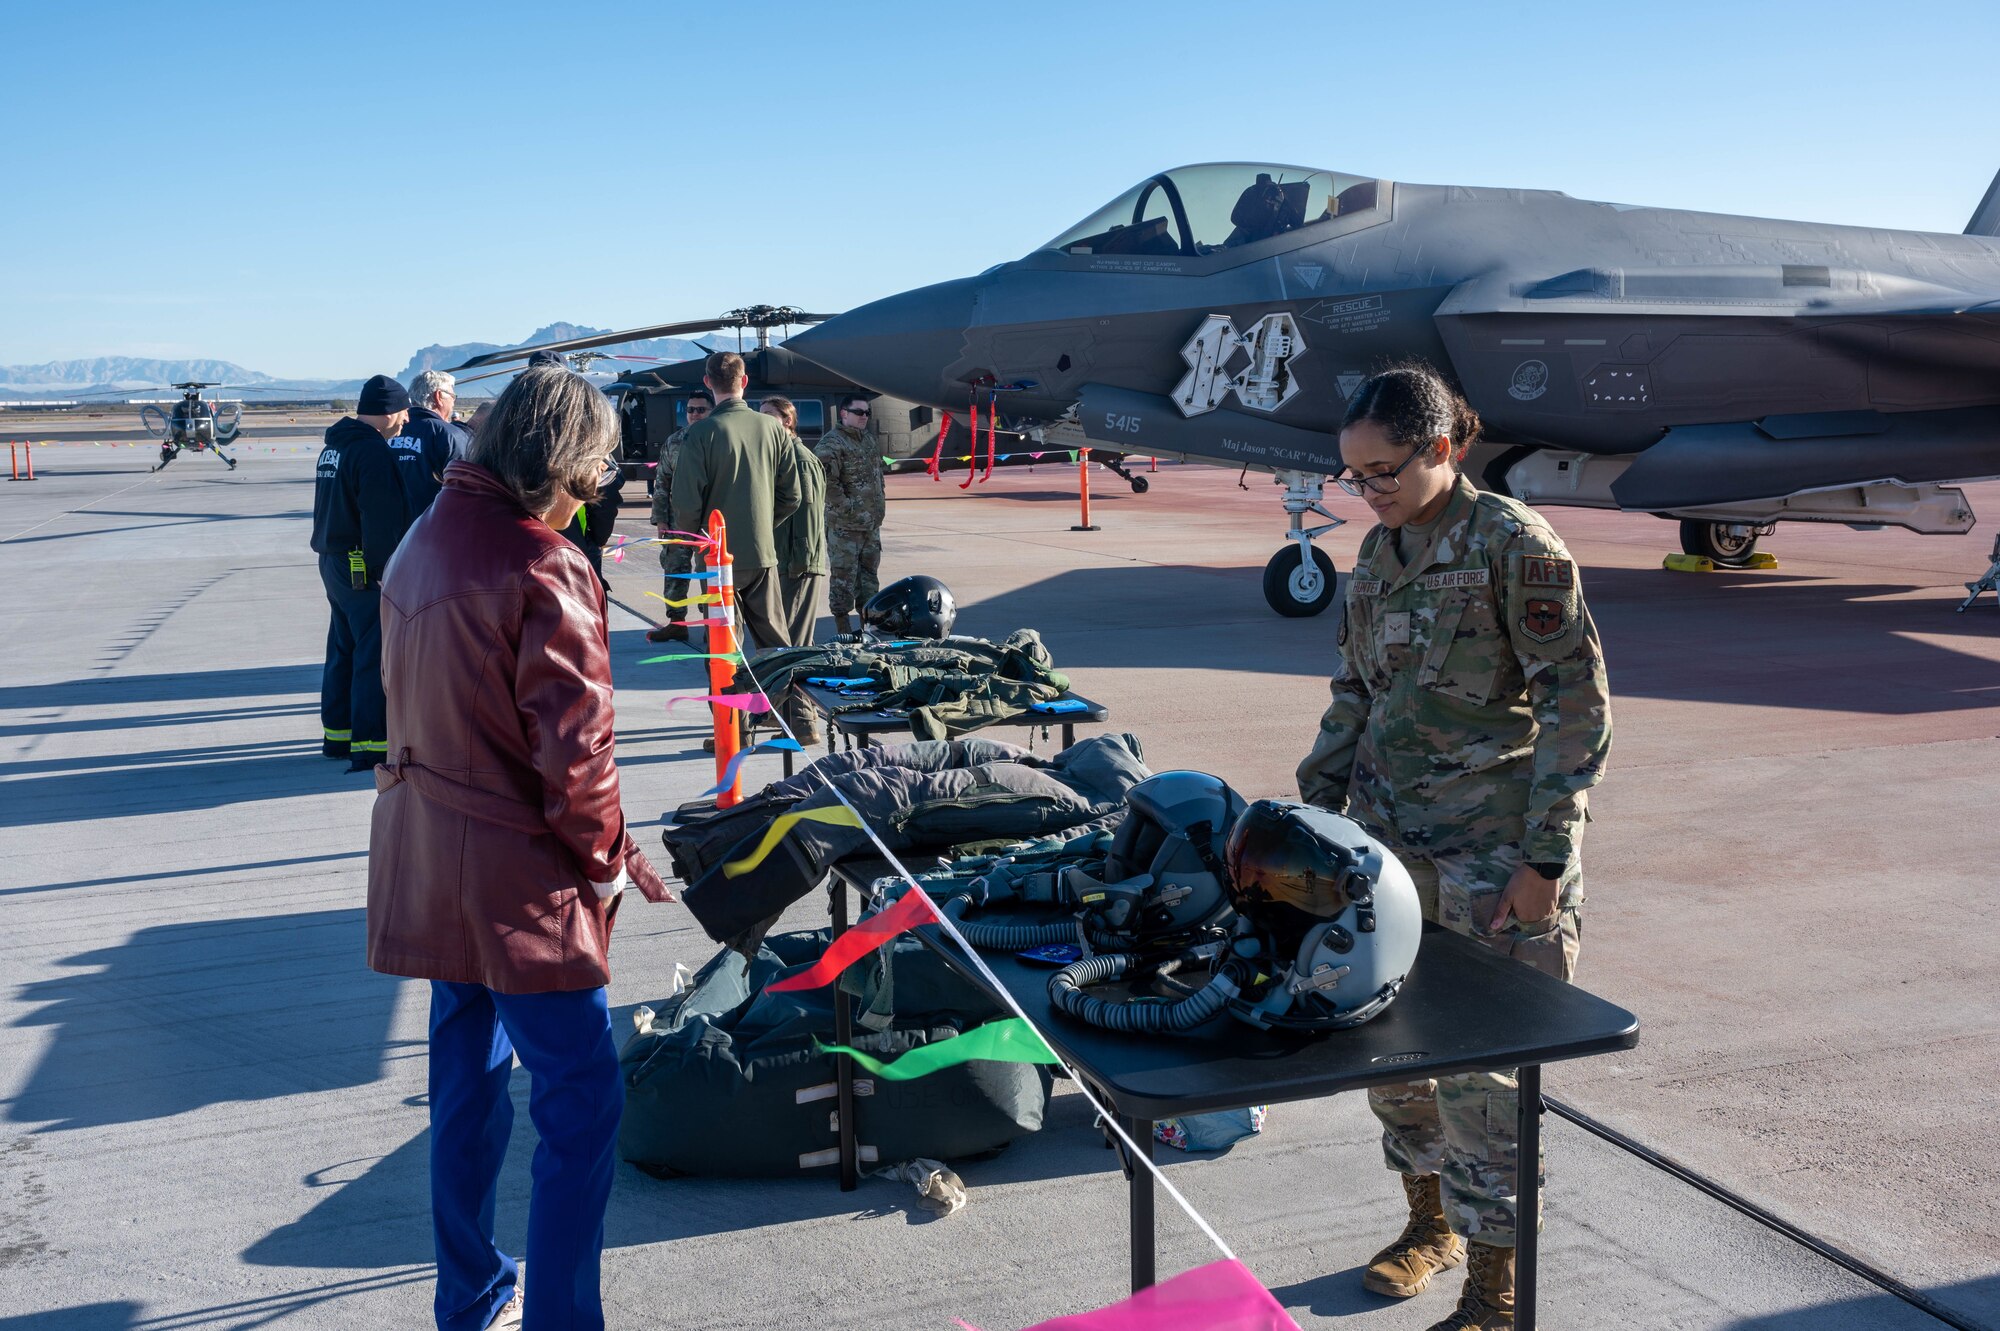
[(370, 746), (331, 733)]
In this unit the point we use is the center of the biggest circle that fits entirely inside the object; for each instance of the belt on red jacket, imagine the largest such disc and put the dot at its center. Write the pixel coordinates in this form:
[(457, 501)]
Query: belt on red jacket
[(483, 805)]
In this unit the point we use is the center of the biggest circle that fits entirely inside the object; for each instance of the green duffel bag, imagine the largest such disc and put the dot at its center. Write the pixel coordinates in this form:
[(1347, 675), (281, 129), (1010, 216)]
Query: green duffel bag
[(725, 1080)]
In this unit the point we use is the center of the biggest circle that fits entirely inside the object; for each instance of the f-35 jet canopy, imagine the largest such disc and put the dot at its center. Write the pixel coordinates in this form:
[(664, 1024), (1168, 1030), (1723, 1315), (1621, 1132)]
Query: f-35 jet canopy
[(1196, 210)]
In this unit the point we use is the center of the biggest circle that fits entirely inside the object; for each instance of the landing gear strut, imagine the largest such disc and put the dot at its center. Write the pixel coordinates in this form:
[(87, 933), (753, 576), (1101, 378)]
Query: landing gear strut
[(1300, 580), (1115, 463), (1728, 544)]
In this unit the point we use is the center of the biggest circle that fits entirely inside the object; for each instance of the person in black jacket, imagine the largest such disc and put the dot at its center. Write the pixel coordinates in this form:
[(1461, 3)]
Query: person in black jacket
[(359, 517), (430, 440)]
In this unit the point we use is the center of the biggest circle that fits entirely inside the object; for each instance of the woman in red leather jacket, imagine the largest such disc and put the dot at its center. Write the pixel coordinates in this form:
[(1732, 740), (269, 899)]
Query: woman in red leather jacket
[(499, 852)]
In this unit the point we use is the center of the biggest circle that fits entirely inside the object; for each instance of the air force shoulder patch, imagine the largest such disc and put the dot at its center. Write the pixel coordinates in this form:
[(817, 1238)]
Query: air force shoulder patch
[(1544, 571)]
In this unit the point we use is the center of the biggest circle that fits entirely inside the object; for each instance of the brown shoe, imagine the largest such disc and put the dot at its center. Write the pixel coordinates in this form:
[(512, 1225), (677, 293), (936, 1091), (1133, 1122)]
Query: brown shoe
[(668, 633), (1425, 1247), (1487, 1302), (842, 625)]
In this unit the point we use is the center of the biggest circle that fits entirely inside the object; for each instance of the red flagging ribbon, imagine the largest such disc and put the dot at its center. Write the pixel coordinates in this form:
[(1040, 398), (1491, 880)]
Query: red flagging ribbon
[(913, 909), (972, 454), (992, 430), (937, 454)]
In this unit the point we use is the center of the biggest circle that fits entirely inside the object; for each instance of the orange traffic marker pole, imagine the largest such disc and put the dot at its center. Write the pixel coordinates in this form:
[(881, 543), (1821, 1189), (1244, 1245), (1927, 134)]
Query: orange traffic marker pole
[(14, 460), (29, 449), (1083, 489), (721, 673)]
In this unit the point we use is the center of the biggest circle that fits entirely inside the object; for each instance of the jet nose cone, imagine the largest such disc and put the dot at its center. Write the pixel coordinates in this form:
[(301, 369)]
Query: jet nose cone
[(900, 345)]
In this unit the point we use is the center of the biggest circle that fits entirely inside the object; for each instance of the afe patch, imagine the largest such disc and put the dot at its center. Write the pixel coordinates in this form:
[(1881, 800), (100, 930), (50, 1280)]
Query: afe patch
[(1542, 571), (1545, 620)]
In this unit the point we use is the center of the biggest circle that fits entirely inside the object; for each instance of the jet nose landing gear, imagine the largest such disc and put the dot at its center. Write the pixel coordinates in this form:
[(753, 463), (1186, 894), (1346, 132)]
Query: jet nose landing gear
[(1300, 580)]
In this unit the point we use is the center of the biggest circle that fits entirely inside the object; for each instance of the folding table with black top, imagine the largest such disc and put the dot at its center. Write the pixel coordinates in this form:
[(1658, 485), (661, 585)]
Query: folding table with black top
[(1464, 1008)]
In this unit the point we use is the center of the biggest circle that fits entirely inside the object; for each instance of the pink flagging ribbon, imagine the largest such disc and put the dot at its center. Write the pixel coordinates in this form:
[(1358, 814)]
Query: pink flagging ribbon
[(1222, 1296)]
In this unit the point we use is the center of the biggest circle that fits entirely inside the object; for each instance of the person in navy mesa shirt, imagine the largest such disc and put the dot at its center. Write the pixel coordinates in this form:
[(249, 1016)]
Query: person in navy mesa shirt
[(359, 517), (429, 441)]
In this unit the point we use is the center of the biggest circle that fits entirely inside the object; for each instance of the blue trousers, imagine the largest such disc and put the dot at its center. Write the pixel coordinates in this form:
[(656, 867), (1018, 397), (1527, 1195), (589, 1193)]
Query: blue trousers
[(351, 705), (575, 1098)]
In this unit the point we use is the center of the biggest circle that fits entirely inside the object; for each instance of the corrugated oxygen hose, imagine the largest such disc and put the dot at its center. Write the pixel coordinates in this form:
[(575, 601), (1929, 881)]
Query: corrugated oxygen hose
[(1146, 1017)]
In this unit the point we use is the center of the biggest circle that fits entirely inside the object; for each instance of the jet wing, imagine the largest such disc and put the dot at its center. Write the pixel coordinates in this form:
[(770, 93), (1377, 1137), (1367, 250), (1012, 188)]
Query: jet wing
[(1134, 422), (1693, 466)]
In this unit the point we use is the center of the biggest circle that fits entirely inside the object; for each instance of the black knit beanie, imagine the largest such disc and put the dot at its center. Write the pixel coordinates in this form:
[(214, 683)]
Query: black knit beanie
[(382, 396)]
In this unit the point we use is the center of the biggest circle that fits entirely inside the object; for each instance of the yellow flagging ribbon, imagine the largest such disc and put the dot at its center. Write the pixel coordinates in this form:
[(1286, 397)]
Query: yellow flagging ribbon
[(712, 598), (783, 823)]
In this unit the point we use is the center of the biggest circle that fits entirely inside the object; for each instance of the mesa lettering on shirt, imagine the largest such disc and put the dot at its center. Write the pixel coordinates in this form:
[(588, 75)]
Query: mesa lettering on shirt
[(329, 460), (407, 444)]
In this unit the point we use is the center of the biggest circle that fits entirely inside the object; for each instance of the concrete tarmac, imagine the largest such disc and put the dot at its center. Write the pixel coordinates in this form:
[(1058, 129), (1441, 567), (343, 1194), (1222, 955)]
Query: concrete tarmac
[(211, 1113)]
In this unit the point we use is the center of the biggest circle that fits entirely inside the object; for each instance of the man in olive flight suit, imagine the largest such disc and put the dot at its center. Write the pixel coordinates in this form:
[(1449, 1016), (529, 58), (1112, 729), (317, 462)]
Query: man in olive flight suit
[(740, 461), (855, 504), (675, 559), (1470, 716)]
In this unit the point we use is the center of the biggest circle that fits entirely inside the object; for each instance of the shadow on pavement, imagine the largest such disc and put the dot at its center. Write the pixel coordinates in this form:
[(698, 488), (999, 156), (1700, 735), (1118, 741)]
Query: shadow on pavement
[(119, 1316), (1976, 1301), (1761, 639), (180, 1016), (377, 1210), (181, 686), (166, 783)]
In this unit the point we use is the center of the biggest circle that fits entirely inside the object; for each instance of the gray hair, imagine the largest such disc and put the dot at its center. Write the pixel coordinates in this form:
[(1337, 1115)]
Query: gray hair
[(429, 382), (549, 435)]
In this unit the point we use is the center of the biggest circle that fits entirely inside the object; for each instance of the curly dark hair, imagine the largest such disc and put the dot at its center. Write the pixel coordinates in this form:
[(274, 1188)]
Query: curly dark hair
[(1414, 404)]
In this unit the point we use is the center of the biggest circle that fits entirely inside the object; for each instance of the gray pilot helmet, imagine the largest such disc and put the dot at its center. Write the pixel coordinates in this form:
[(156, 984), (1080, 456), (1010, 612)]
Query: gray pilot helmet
[(1163, 876), (1331, 907)]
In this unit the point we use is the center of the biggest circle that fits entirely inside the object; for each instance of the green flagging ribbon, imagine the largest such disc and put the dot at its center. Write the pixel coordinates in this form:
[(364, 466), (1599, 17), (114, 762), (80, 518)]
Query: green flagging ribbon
[(1007, 1041), (734, 658)]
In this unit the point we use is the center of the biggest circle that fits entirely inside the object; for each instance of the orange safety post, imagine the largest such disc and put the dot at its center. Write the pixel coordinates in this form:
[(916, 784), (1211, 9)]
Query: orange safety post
[(721, 673), (1083, 489), (14, 460), (29, 449)]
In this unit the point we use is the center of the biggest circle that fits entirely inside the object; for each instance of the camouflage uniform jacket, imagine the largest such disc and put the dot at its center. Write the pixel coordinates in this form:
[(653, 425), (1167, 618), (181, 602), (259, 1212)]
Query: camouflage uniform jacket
[(802, 536), (855, 500), (1470, 707), (663, 479)]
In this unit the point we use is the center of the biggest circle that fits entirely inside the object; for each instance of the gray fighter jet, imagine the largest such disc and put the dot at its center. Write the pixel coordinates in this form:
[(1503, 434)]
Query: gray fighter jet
[(1731, 372)]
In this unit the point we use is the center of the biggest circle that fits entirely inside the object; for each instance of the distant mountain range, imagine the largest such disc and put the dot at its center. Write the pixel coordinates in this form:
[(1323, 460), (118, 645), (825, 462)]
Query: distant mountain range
[(109, 376)]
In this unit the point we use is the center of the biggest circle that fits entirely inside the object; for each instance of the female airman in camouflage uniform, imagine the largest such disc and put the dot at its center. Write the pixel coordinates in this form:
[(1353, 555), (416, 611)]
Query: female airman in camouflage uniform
[(1469, 717)]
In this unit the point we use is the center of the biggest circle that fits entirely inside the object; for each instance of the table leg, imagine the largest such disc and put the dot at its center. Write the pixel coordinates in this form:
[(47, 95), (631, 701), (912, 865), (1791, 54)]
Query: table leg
[(1528, 1197), (1069, 733), (843, 1066), (1144, 1236)]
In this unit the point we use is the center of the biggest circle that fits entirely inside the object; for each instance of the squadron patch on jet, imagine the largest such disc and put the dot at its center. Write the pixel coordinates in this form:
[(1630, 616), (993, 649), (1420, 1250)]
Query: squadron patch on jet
[(1531, 380)]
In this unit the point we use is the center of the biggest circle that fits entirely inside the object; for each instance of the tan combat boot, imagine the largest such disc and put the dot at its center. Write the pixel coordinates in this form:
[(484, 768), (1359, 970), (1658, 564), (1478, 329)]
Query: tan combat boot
[(842, 626), (1425, 1247), (1487, 1301)]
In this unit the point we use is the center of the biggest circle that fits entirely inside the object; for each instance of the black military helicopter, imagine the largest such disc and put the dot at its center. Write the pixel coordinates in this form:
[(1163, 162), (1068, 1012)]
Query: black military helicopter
[(652, 401)]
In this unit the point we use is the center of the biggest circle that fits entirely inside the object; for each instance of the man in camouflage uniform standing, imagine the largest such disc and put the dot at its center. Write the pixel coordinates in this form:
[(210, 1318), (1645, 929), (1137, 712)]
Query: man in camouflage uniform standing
[(855, 503), (1470, 716), (674, 559)]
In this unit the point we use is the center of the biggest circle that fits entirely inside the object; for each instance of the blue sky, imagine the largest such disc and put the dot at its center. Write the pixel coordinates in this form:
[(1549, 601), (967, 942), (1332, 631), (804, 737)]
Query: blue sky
[(319, 190)]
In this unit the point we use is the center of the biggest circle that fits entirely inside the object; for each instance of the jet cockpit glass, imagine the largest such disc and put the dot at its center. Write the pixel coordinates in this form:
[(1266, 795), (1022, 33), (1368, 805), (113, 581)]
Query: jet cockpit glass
[(1198, 210)]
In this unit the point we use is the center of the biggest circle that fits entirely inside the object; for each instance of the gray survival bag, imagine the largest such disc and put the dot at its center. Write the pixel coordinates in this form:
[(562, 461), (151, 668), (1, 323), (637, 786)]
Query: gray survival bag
[(727, 1080)]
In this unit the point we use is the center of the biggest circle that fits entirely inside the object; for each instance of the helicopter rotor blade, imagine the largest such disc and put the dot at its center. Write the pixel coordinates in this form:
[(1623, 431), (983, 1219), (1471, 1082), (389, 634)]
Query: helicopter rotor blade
[(756, 316), (581, 343)]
